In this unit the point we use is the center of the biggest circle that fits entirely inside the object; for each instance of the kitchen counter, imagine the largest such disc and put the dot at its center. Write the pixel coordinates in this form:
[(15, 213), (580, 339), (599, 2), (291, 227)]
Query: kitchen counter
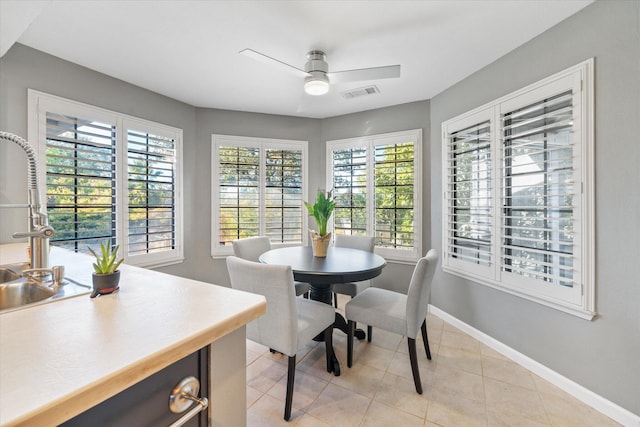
[(60, 358)]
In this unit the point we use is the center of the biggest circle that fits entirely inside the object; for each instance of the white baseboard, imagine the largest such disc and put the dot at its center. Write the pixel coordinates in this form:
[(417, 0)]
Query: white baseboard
[(597, 402)]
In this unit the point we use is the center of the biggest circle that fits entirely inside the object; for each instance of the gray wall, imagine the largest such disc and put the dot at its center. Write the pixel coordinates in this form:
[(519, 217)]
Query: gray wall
[(22, 68), (414, 115), (604, 354), (209, 121)]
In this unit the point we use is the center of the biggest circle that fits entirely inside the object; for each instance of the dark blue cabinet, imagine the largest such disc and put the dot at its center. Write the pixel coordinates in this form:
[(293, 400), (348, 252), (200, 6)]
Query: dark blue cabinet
[(147, 403)]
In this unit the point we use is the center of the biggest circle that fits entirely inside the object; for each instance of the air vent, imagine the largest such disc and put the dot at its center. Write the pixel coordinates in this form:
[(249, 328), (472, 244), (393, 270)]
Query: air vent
[(363, 91)]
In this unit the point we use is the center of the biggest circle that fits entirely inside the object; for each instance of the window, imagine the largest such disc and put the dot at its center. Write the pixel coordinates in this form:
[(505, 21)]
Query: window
[(518, 210), (111, 177), (377, 185), (258, 190)]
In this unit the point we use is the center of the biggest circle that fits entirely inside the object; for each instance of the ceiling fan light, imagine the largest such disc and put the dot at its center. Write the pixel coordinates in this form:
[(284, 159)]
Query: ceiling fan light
[(316, 85)]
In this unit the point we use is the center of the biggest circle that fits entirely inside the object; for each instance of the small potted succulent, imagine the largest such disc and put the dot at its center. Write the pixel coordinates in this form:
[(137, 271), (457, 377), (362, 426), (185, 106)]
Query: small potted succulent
[(321, 212), (106, 275)]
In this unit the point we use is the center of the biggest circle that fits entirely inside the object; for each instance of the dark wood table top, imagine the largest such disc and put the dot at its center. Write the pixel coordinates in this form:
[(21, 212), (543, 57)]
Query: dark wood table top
[(341, 265)]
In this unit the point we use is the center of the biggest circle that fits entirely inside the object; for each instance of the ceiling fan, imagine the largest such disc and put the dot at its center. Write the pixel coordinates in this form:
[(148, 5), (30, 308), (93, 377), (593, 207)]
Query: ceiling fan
[(316, 71)]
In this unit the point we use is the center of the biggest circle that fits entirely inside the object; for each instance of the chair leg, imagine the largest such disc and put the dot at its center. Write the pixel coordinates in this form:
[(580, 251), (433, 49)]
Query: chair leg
[(350, 330), (425, 339), (328, 345), (414, 364), (369, 333), (291, 375), (335, 300)]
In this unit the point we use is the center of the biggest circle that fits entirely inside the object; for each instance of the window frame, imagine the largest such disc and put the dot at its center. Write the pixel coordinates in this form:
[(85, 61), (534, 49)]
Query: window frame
[(370, 143), (578, 300), (217, 140), (39, 103)]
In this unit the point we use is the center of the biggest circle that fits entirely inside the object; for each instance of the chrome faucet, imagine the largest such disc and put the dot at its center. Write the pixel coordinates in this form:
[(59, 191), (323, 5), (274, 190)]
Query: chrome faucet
[(39, 230)]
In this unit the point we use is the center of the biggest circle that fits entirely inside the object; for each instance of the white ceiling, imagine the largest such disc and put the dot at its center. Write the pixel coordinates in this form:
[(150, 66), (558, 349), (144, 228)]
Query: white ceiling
[(188, 50)]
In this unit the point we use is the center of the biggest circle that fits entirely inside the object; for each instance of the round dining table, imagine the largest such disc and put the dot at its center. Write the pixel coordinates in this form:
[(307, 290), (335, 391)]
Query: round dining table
[(341, 265)]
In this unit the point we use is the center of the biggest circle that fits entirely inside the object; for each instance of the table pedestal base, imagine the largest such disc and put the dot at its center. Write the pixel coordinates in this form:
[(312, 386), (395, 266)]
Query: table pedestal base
[(322, 293)]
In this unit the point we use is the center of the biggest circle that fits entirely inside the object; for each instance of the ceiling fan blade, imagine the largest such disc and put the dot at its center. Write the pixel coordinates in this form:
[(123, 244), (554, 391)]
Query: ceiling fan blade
[(374, 73), (272, 61)]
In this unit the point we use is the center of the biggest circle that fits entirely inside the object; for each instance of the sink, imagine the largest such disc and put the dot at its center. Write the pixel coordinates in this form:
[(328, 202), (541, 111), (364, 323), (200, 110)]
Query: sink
[(8, 275), (18, 292)]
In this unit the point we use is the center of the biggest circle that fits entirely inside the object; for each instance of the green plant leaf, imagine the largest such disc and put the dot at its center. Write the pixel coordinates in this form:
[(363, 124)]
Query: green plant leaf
[(107, 262)]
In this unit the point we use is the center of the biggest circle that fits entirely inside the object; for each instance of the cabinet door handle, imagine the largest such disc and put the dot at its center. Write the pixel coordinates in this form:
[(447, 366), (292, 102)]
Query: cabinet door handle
[(182, 397)]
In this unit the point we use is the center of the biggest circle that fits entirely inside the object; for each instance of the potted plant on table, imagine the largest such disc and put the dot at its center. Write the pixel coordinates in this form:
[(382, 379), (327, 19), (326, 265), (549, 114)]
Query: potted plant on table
[(321, 212), (106, 275)]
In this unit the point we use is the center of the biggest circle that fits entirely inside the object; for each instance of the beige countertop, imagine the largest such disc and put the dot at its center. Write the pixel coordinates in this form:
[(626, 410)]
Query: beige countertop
[(61, 358)]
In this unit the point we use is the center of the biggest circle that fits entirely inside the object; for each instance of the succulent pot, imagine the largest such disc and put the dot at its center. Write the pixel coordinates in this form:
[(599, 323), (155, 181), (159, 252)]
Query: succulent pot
[(320, 244), (105, 283)]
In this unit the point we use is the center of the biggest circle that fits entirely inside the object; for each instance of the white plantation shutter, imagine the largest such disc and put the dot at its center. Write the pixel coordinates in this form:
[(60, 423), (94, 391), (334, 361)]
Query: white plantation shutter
[(469, 196), (350, 190), (283, 195), (80, 181), (394, 165), (239, 193), (152, 214), (258, 190), (518, 208), (538, 191)]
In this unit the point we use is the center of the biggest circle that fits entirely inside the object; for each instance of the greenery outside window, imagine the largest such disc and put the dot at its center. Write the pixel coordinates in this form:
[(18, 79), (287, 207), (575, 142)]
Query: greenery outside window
[(111, 177), (376, 182), (258, 190), (518, 176)]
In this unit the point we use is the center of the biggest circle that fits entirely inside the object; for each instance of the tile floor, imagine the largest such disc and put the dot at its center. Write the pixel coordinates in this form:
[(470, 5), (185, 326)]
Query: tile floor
[(465, 384)]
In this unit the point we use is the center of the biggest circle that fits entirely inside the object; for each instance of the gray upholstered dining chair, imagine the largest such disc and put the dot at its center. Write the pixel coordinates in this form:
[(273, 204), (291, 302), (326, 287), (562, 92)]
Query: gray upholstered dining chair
[(290, 322), (364, 243), (396, 312), (250, 248)]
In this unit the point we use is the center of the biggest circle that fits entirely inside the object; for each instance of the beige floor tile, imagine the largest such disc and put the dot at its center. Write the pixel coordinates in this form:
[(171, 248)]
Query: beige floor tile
[(371, 355), (487, 351), (451, 409), (252, 356), (458, 384), (565, 410), (509, 404), (567, 413), (459, 340), (362, 379), (339, 407), (263, 373), (400, 393), (315, 363), (507, 371), (422, 353), (269, 412), (447, 327), (457, 358), (381, 415), (401, 365), (308, 421), (253, 395), (305, 390), (385, 339)]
